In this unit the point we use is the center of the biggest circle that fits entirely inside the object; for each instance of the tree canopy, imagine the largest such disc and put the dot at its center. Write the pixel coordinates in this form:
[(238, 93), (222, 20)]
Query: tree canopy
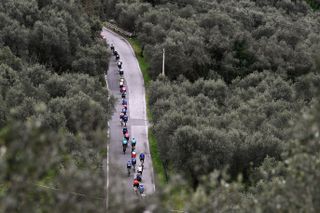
[(232, 38), (236, 117), (236, 114), (54, 108)]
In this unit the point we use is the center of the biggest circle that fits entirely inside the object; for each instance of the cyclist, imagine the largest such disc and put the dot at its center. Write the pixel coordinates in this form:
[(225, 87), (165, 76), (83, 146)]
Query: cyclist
[(141, 189), (119, 64), (125, 119), (133, 162), (139, 177), (117, 57), (121, 85), (127, 136), (141, 157), (123, 89), (115, 52), (121, 81), (124, 130), (121, 72), (112, 47), (140, 169), (124, 145), (121, 118), (133, 154), (124, 102), (124, 111), (123, 95), (135, 184), (129, 165), (133, 143)]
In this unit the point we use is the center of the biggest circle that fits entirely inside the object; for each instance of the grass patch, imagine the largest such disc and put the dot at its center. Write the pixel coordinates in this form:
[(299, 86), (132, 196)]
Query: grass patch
[(157, 163), (144, 66), (149, 114)]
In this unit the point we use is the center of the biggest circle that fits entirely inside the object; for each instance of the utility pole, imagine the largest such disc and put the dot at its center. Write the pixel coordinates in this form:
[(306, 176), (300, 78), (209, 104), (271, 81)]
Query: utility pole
[(163, 60)]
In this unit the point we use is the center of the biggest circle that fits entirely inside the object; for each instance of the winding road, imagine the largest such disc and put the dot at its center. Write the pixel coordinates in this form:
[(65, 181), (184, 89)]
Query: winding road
[(118, 181)]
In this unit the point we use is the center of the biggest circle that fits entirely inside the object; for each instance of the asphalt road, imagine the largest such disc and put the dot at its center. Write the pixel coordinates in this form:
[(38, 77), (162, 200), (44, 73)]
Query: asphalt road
[(119, 182)]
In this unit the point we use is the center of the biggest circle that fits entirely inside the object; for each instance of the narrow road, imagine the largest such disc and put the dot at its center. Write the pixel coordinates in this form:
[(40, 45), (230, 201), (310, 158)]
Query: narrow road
[(119, 182)]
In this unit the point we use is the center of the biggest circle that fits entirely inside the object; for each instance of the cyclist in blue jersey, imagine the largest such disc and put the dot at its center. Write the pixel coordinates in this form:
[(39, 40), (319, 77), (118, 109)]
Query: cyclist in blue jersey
[(134, 162), (129, 165), (124, 111), (141, 189), (125, 119), (141, 157), (124, 102)]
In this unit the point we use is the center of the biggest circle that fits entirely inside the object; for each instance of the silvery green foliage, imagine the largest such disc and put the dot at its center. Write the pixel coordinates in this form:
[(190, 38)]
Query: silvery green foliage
[(53, 108), (208, 125), (234, 38)]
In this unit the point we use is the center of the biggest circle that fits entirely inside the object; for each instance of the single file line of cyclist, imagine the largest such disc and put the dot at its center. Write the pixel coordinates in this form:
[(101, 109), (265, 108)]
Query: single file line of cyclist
[(131, 164)]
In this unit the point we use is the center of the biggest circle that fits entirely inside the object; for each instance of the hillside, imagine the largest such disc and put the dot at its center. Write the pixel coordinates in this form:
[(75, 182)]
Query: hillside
[(235, 120), (53, 108), (236, 114)]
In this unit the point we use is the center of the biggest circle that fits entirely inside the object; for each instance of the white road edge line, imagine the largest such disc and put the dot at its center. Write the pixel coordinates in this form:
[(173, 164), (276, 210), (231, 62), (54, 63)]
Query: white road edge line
[(147, 131), (108, 156), (108, 160)]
